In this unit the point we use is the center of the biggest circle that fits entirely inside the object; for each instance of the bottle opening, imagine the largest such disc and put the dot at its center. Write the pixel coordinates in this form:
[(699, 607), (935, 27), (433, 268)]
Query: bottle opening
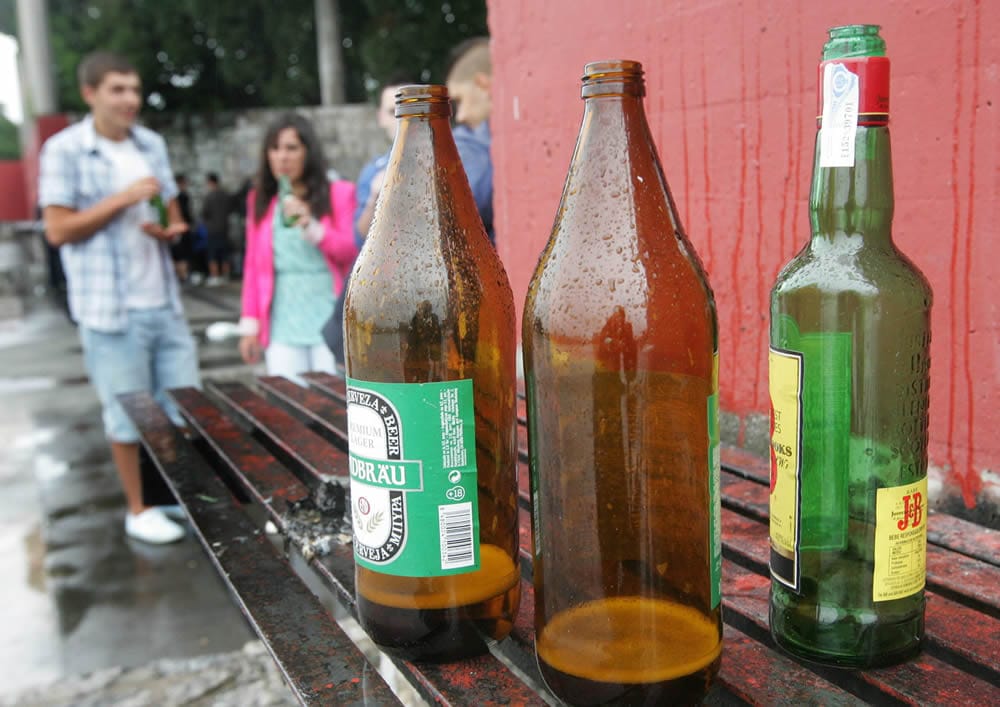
[(422, 99), (613, 76), (854, 41)]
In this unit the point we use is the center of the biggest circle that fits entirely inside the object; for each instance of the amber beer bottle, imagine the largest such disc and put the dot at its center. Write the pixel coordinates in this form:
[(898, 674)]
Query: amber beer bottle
[(430, 345), (849, 378), (620, 341)]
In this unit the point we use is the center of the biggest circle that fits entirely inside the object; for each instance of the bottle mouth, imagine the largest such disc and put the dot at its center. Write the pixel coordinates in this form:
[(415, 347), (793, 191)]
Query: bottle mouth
[(849, 41), (421, 99), (613, 77)]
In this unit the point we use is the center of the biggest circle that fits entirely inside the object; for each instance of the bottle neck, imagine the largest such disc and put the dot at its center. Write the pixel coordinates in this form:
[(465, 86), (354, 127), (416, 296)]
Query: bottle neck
[(846, 202), (424, 145), (615, 160), (425, 189)]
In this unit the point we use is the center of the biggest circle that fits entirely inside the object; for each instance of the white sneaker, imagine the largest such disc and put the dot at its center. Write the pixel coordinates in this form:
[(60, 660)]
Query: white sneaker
[(174, 512), (152, 526), (214, 281)]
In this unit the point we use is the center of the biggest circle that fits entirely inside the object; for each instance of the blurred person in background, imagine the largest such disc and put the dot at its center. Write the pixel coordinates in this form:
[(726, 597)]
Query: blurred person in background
[(470, 81), (299, 251), (181, 251), (369, 186), (96, 180), (215, 210)]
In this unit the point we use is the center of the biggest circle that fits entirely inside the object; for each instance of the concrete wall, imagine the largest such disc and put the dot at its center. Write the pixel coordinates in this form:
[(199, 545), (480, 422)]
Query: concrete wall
[(731, 101), (229, 143)]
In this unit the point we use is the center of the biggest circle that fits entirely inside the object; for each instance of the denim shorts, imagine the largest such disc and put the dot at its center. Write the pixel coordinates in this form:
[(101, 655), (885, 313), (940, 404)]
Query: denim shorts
[(155, 352)]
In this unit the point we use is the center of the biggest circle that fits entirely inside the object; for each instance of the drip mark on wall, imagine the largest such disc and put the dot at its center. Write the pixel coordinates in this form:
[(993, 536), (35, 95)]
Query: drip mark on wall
[(971, 483)]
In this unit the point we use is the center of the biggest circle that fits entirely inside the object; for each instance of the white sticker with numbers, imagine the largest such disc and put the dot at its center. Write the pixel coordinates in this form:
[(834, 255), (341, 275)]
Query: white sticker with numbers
[(840, 116)]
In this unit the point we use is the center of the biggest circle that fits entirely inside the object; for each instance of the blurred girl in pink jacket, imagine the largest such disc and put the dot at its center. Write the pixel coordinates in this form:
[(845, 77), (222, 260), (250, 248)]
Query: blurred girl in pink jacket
[(298, 253)]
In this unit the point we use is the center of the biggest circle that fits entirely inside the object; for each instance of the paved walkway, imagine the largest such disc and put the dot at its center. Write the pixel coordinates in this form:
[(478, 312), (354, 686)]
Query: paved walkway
[(78, 598)]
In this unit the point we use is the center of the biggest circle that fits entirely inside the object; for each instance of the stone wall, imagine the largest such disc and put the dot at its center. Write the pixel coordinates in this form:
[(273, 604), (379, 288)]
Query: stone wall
[(229, 143)]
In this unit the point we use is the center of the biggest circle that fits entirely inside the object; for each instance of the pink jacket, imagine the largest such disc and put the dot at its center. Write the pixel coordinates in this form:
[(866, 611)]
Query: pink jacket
[(258, 264)]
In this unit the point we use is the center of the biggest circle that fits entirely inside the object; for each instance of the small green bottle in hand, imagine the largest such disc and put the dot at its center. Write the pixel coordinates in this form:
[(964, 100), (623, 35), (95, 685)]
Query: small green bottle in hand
[(284, 191), (161, 209)]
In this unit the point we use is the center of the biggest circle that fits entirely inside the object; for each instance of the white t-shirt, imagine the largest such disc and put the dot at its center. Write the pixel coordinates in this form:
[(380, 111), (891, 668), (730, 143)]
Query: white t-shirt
[(145, 274)]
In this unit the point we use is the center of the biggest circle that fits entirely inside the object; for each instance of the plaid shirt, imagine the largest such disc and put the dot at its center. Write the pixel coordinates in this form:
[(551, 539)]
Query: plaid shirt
[(74, 173)]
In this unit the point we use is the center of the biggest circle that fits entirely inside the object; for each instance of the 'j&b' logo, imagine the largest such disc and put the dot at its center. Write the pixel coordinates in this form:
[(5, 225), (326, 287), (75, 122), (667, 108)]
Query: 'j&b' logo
[(913, 511)]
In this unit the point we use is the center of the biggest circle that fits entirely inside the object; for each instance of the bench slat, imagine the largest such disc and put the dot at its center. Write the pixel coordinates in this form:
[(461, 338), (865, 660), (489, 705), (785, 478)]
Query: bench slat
[(944, 529), (323, 413), (311, 452), (259, 472), (320, 662), (962, 536), (334, 386), (971, 635), (924, 680), (765, 677), (753, 675), (968, 580), (307, 428)]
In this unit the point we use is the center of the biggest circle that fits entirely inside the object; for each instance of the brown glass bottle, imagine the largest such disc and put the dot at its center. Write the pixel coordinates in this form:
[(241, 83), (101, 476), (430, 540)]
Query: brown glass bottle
[(620, 341), (429, 305)]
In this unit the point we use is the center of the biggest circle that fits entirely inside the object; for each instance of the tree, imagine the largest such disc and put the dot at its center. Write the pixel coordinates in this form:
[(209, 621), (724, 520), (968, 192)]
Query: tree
[(385, 39), (205, 55), (194, 54)]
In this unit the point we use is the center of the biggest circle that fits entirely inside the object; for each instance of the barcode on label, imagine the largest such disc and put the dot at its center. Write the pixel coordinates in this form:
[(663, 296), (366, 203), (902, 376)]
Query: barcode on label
[(455, 524)]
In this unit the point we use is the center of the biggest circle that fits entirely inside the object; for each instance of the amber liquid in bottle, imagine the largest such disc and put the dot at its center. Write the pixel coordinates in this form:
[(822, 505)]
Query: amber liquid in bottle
[(429, 301), (619, 338)]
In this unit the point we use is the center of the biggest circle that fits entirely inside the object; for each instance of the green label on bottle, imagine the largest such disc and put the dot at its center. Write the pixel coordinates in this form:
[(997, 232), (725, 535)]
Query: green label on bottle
[(413, 477), (817, 454), (714, 484)]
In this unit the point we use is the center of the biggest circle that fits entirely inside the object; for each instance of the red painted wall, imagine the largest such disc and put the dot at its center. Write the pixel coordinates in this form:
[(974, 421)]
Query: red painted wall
[(13, 197), (731, 98), (36, 132)]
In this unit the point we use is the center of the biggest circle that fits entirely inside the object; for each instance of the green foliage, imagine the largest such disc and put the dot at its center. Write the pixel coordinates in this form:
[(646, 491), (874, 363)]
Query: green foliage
[(8, 17), (409, 39), (10, 146), (193, 54), (204, 55)]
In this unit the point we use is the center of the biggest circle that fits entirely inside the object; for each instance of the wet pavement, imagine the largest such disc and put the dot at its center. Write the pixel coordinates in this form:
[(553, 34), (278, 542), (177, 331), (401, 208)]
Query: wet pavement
[(77, 595)]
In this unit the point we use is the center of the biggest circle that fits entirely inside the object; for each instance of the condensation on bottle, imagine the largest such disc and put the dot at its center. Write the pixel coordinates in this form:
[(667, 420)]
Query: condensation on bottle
[(621, 371), (849, 378), (429, 347)]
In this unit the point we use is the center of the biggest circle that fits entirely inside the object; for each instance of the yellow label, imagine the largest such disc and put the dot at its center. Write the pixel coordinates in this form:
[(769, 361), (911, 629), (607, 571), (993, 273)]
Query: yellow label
[(785, 382), (900, 541)]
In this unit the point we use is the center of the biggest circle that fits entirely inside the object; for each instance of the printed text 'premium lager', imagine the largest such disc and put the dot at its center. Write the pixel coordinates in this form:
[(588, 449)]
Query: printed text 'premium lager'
[(849, 362), (429, 343), (620, 342)]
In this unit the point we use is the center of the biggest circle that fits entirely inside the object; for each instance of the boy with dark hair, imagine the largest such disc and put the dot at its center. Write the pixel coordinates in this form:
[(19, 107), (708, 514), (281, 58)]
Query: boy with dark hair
[(96, 180)]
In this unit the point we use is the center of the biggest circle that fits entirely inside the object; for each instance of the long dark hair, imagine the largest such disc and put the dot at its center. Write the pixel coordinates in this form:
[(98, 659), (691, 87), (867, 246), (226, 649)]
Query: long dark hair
[(313, 172)]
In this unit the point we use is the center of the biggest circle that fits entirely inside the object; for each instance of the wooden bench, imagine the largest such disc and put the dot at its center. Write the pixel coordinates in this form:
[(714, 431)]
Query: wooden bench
[(279, 452)]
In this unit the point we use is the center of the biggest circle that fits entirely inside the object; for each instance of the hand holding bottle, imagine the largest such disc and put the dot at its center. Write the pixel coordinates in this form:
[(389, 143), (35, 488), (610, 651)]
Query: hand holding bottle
[(295, 211), (140, 190)]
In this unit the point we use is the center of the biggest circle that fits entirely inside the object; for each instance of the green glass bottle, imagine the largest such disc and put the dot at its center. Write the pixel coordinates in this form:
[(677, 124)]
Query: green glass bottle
[(849, 379), (160, 209), (284, 191)]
